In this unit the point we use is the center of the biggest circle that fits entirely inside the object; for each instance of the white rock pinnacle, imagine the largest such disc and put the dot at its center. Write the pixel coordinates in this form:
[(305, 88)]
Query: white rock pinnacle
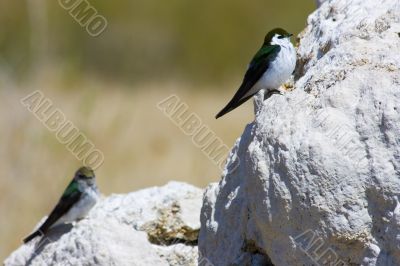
[(319, 174)]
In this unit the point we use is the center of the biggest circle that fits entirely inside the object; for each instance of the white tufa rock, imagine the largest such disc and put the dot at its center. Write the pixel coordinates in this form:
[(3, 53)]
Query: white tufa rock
[(319, 174), (155, 226)]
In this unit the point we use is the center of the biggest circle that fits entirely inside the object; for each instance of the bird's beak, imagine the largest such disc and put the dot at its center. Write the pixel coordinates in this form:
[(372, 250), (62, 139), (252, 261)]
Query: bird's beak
[(289, 35)]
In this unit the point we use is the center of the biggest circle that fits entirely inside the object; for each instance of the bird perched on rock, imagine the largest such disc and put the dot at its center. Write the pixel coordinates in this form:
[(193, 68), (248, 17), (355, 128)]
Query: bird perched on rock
[(271, 66), (77, 200)]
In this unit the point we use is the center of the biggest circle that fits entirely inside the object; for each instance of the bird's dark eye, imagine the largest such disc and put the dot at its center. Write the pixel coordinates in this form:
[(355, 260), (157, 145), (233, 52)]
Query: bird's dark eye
[(281, 37), (83, 176)]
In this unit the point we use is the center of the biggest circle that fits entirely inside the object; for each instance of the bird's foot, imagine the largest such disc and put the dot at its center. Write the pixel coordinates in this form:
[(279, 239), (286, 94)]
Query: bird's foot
[(270, 93)]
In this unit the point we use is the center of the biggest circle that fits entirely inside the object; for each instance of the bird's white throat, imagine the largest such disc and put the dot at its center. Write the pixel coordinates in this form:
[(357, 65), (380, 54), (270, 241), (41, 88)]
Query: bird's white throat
[(282, 42)]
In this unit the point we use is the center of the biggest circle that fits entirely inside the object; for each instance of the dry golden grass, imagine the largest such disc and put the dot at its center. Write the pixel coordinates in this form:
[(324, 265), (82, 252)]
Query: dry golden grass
[(142, 147)]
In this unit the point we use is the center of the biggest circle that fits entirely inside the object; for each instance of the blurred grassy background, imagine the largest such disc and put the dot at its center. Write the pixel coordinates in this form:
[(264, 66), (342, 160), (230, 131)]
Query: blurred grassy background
[(109, 87)]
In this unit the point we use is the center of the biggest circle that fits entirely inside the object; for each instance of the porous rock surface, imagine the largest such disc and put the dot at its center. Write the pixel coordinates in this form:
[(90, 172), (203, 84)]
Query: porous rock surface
[(154, 226), (318, 181)]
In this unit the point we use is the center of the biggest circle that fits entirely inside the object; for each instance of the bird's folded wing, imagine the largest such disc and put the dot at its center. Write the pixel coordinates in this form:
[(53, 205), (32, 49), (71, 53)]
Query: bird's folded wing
[(69, 198), (258, 65)]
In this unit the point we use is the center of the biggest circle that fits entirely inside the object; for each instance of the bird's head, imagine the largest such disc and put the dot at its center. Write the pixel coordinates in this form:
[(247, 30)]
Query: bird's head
[(277, 36), (85, 174)]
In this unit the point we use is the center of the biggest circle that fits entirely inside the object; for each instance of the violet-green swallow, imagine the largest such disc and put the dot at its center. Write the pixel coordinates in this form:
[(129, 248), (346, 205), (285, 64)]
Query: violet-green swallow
[(270, 67), (78, 198)]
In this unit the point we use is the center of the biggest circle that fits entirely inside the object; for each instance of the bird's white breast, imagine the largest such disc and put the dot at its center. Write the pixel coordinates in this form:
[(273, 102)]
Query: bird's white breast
[(279, 70), (83, 206)]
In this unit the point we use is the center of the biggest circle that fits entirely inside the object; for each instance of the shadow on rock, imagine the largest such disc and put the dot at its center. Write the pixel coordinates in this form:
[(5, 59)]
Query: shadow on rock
[(52, 236)]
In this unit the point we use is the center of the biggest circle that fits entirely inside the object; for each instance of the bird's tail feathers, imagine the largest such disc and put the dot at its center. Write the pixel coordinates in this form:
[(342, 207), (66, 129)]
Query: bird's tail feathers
[(225, 110), (232, 105), (32, 236)]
